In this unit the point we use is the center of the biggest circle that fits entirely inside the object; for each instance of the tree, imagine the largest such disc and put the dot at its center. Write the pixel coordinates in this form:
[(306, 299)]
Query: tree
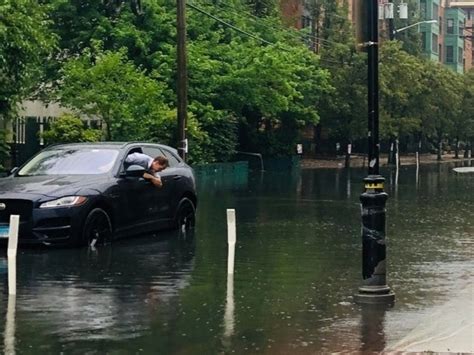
[(400, 91), (344, 111), (236, 83), (70, 129), (109, 86), (441, 103), (270, 89), (25, 43), (464, 123)]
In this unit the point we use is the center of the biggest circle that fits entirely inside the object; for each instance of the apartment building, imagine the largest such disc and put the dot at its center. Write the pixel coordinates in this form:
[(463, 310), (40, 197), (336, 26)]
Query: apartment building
[(468, 30), (449, 41)]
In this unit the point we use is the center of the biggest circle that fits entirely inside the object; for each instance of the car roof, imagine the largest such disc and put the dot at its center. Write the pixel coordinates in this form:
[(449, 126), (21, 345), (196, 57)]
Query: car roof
[(114, 145)]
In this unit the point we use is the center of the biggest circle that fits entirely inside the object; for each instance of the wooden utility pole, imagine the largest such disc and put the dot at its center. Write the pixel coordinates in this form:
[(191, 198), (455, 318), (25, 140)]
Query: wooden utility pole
[(182, 84)]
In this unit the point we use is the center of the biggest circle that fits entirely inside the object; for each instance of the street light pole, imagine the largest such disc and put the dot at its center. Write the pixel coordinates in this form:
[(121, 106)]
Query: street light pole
[(394, 32), (182, 83), (374, 288)]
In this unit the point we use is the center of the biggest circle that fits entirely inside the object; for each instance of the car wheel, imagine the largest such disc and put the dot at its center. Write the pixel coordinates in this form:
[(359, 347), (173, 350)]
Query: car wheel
[(97, 228), (185, 216)]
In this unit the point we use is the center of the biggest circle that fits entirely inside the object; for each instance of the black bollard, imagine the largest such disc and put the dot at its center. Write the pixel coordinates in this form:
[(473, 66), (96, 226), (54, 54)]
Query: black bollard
[(374, 287)]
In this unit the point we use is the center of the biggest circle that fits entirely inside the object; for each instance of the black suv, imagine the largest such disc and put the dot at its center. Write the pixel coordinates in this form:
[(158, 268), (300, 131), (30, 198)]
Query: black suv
[(83, 193)]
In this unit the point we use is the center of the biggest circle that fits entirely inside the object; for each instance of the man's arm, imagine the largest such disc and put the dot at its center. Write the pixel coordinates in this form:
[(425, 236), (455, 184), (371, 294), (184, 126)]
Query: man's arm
[(155, 180)]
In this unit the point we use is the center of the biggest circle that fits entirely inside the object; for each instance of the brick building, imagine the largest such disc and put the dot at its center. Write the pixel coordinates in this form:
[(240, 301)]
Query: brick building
[(449, 41)]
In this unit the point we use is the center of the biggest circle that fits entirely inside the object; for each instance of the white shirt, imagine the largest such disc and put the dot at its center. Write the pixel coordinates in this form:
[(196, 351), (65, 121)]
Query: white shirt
[(143, 160)]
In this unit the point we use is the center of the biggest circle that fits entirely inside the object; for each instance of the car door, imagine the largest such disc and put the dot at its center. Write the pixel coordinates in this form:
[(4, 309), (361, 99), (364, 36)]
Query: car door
[(162, 199), (132, 196), (174, 176)]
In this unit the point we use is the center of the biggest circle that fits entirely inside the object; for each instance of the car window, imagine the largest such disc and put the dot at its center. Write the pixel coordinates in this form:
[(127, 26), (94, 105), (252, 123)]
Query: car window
[(152, 151), (73, 161), (172, 159)]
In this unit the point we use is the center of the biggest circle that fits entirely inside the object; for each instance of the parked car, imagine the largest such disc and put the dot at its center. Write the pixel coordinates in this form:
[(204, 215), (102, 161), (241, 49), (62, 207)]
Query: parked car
[(84, 193)]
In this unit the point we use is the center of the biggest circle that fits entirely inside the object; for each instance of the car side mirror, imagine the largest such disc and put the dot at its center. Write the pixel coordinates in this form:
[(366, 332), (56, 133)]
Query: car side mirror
[(135, 171), (14, 170)]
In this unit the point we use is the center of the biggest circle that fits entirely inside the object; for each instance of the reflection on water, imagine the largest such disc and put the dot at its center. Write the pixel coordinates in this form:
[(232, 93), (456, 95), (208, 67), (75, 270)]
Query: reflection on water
[(372, 327), (297, 265), (9, 332), (229, 320)]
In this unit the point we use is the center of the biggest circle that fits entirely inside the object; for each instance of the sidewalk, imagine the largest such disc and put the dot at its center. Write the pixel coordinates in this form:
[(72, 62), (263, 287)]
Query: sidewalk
[(448, 328), (360, 161)]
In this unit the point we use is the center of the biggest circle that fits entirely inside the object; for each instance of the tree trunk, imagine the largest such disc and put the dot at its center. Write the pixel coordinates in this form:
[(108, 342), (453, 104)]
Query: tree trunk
[(440, 149), (456, 149)]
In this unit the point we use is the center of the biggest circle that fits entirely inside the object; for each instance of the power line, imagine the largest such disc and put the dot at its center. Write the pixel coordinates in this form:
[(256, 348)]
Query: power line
[(250, 34), (229, 25), (259, 20), (279, 27)]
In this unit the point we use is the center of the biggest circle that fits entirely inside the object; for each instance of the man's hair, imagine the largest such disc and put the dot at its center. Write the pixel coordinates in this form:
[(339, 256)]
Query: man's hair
[(161, 160)]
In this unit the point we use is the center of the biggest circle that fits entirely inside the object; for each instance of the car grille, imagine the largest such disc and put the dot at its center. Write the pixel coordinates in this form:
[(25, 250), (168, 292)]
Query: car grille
[(23, 208)]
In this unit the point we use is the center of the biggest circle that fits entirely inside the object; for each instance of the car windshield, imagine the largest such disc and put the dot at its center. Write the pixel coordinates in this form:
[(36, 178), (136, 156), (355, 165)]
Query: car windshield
[(74, 161)]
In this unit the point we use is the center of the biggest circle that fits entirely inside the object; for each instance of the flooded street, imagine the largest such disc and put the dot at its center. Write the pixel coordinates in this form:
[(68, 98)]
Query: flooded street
[(297, 265)]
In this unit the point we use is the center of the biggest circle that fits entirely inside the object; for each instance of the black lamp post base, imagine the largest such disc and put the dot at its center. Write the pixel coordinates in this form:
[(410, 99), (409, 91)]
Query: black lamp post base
[(375, 295)]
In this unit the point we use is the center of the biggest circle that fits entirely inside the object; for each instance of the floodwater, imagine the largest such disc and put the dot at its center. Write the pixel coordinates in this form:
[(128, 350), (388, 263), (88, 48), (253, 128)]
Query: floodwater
[(297, 265)]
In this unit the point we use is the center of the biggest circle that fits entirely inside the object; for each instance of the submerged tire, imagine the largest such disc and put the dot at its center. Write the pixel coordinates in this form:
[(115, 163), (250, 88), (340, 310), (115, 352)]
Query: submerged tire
[(97, 228), (185, 215)]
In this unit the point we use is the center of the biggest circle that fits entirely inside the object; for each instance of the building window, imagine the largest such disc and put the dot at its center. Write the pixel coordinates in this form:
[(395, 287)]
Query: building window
[(440, 21), (435, 11), (449, 54), (440, 53), (434, 43), (461, 28), (460, 56), (450, 26), (423, 11), (423, 41)]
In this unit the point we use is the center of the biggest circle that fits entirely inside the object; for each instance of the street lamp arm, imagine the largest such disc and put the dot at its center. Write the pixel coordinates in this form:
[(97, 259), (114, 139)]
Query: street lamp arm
[(413, 25)]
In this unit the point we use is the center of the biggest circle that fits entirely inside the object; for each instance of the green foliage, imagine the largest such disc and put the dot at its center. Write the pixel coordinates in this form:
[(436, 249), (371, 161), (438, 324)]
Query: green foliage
[(401, 88), (344, 111), (410, 38), (4, 148), (25, 42), (263, 8), (146, 36), (233, 80), (219, 141), (243, 94), (70, 129), (109, 86), (464, 124), (442, 95)]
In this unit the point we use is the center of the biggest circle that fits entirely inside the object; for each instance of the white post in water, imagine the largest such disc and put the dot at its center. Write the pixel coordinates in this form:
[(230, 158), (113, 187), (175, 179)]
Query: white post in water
[(11, 253), (417, 167), (231, 239), (397, 163)]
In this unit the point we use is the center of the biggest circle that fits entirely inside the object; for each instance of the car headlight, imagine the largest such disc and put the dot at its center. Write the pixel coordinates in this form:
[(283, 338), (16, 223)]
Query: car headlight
[(64, 202)]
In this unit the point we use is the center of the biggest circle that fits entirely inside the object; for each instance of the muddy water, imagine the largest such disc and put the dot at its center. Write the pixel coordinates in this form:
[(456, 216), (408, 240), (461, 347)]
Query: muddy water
[(297, 266)]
